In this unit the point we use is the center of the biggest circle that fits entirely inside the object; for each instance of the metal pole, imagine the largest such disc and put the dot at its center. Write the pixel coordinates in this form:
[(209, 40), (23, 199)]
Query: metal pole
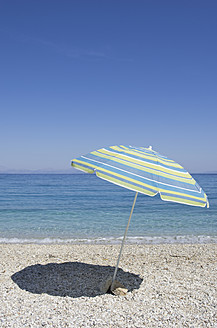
[(122, 245)]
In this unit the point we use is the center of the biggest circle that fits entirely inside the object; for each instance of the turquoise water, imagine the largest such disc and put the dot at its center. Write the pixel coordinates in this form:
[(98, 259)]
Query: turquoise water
[(83, 208)]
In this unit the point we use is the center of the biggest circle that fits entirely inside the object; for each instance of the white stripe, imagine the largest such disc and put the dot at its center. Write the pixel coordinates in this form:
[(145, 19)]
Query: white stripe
[(165, 184), (155, 153), (80, 169), (141, 160), (127, 187), (175, 201)]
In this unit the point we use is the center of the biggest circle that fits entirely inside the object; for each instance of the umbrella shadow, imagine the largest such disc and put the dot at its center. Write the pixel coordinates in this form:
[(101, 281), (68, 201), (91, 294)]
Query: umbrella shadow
[(73, 279)]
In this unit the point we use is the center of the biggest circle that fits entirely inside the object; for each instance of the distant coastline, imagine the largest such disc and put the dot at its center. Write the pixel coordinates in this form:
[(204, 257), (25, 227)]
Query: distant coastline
[(66, 171), (40, 171)]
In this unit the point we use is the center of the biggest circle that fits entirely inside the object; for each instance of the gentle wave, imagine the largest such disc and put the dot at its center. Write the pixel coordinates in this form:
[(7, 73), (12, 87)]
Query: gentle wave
[(81, 209), (111, 240)]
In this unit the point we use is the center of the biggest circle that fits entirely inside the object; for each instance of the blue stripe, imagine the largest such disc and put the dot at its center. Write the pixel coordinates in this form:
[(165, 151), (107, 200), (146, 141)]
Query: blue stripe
[(186, 189), (127, 181), (151, 152), (146, 175), (147, 160), (140, 167), (82, 165), (183, 197), (195, 192), (125, 173)]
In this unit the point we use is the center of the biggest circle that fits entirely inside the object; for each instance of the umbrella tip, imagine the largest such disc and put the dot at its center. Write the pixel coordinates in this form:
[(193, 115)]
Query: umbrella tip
[(150, 147)]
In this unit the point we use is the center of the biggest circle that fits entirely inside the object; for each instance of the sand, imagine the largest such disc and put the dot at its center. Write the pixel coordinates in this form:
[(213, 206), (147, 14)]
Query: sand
[(58, 286)]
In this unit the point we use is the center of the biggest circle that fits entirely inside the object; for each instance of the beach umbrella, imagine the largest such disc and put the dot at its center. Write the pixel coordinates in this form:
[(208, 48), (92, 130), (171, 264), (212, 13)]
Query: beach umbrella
[(145, 171)]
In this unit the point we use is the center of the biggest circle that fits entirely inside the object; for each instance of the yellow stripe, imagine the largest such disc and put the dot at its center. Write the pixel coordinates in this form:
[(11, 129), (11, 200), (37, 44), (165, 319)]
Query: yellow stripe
[(153, 154), (172, 163), (124, 184), (123, 147), (153, 157), (183, 201), (133, 152), (135, 181), (118, 175), (145, 169), (181, 194), (142, 163), (82, 168)]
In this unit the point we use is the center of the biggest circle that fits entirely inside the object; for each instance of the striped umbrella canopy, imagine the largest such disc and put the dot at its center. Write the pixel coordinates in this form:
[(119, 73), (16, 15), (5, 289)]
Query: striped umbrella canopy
[(145, 171)]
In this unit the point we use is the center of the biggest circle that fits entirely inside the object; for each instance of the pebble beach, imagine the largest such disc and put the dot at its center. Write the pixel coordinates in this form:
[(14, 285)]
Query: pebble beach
[(172, 285)]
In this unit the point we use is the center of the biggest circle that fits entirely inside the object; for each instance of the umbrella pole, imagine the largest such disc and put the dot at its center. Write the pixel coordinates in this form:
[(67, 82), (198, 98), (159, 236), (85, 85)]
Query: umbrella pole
[(122, 245)]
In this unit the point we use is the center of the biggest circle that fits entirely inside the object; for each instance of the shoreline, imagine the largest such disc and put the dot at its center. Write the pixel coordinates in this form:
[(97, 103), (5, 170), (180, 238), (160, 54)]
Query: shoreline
[(58, 286), (130, 240)]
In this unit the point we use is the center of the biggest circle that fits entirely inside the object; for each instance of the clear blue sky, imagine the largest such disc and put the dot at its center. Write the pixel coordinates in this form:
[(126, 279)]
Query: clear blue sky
[(79, 75)]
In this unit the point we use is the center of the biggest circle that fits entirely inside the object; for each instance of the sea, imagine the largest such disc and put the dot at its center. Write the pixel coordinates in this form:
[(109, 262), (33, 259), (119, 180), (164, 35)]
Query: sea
[(81, 208)]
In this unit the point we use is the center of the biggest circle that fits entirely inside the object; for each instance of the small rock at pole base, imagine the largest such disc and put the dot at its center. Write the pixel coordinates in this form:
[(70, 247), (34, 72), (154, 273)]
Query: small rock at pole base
[(118, 289)]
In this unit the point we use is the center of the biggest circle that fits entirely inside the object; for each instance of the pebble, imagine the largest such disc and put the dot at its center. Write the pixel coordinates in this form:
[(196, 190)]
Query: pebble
[(59, 286)]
